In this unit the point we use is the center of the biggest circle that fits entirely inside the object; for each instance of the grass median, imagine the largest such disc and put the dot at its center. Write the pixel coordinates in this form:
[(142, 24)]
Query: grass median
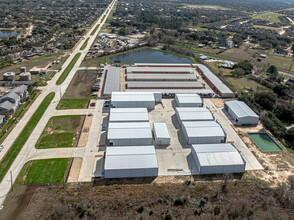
[(68, 69), (95, 29), (84, 44), (10, 156)]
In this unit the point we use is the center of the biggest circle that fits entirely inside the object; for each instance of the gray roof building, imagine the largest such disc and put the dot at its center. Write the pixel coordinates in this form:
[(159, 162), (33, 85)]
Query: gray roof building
[(160, 77), (164, 85), (112, 81)]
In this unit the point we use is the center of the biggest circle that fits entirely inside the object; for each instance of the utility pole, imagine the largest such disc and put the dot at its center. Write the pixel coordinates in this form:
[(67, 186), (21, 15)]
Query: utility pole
[(11, 180)]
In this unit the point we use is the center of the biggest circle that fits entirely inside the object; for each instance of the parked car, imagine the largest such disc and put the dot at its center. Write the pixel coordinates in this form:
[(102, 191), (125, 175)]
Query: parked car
[(93, 104), (1, 148)]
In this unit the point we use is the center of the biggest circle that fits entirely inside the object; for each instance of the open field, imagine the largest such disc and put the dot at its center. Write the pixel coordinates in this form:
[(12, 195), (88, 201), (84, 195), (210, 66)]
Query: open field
[(24, 135), (216, 7), (78, 92), (37, 61), (243, 83), (43, 171), (179, 197), (61, 131), (68, 69), (72, 104), (271, 17), (84, 44), (242, 53), (81, 85), (267, 27)]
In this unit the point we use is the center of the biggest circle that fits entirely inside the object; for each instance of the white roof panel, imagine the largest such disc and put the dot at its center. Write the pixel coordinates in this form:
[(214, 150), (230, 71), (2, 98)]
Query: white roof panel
[(128, 114), (205, 132), (129, 133), (199, 91), (161, 130), (162, 77), (218, 154), (112, 81), (135, 69), (241, 109), (200, 124), (165, 84), (189, 98), (194, 113), (128, 125), (136, 157), (132, 96), (163, 64)]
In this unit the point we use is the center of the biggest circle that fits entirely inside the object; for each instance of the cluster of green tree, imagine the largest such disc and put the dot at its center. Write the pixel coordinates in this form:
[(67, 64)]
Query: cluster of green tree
[(168, 23), (272, 114), (268, 41), (242, 68), (5, 61)]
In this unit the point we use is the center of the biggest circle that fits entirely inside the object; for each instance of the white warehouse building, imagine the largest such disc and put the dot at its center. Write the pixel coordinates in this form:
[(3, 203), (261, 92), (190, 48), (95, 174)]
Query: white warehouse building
[(133, 100), (161, 134), (193, 114), (129, 134), (130, 161), (128, 115), (203, 132), (241, 113), (218, 158), (188, 100)]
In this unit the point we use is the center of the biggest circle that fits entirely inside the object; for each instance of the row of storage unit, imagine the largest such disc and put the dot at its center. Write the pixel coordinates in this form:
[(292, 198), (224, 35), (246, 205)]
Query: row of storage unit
[(188, 100), (112, 80), (201, 92), (214, 82), (161, 77), (180, 65), (161, 134), (164, 85), (159, 70)]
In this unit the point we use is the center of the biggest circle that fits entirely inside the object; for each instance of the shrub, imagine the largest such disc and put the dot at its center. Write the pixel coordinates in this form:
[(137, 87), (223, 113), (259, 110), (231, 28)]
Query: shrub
[(168, 216), (216, 210), (265, 99), (140, 209), (179, 202)]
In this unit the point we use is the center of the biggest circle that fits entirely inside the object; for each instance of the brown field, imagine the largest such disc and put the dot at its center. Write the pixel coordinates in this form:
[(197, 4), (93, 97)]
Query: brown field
[(243, 83), (81, 84), (182, 197), (242, 53)]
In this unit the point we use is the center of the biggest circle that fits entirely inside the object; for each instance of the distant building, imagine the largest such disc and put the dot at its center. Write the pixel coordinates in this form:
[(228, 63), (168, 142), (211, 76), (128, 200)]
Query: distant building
[(228, 65), (263, 56), (290, 82), (201, 45)]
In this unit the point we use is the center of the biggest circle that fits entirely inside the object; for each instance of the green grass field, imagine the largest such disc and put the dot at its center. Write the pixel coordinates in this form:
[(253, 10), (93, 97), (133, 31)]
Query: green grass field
[(94, 30), (72, 104), (84, 44), (271, 17), (61, 131), (68, 69), (44, 171), (24, 135)]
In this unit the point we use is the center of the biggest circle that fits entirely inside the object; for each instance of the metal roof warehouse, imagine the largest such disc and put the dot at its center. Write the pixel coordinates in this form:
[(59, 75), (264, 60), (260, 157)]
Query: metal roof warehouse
[(112, 81), (160, 70), (161, 134), (201, 92), (241, 112), (129, 134), (218, 158), (128, 115), (133, 100), (188, 100), (193, 114), (130, 161), (164, 85), (214, 81), (203, 132), (161, 77)]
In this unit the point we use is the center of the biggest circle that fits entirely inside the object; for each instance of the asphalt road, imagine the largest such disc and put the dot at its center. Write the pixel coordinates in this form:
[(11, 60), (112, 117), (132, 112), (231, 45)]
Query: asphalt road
[(29, 152)]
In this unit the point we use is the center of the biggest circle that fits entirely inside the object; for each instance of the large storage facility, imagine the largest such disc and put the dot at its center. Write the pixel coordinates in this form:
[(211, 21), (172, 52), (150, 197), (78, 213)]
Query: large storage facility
[(201, 92), (128, 115), (188, 100), (193, 114), (112, 81), (159, 70), (133, 100), (161, 134), (129, 134), (241, 113), (130, 161), (203, 132), (218, 158), (161, 77), (181, 65), (164, 85), (214, 82)]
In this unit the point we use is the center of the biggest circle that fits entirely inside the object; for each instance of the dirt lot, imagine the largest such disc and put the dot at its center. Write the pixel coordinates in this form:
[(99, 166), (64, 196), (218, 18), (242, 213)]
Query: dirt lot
[(81, 84), (182, 198)]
